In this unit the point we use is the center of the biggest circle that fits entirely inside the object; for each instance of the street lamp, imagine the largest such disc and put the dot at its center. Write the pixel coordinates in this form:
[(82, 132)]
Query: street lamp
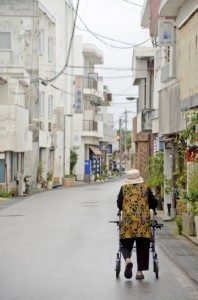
[(132, 99)]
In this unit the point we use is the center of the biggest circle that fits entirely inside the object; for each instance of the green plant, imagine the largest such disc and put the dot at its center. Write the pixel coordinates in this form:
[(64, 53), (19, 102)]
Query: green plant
[(49, 176), (180, 174), (5, 194), (73, 160), (196, 208), (190, 134), (40, 172), (179, 224), (167, 186), (104, 168), (69, 175), (186, 177), (191, 195), (181, 206), (155, 170)]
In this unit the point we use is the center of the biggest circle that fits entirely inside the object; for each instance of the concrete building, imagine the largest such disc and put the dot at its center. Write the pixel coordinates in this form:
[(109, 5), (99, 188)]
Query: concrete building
[(145, 125), (18, 89), (47, 110), (63, 13), (92, 124), (173, 29), (39, 133)]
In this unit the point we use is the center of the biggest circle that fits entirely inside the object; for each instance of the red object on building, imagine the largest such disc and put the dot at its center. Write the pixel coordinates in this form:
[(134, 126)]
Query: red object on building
[(191, 155)]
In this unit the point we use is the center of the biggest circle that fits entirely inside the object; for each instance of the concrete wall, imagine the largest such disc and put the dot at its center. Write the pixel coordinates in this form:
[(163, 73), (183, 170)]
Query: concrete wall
[(170, 116), (14, 134), (188, 35), (23, 40)]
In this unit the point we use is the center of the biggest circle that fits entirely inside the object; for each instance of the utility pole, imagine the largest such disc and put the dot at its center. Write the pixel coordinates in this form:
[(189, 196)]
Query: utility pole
[(120, 170), (125, 139)]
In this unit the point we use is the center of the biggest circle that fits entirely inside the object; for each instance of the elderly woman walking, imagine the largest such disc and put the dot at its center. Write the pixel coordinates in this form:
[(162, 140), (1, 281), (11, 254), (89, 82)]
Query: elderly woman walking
[(135, 200)]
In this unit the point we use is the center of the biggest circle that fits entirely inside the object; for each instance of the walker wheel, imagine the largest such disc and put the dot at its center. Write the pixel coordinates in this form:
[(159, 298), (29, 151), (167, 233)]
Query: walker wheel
[(117, 269), (156, 268)]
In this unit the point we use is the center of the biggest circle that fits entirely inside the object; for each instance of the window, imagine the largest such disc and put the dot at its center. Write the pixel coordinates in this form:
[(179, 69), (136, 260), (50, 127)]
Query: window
[(50, 106), (167, 52), (41, 103), (2, 170), (13, 165), (5, 40), (50, 48), (41, 41)]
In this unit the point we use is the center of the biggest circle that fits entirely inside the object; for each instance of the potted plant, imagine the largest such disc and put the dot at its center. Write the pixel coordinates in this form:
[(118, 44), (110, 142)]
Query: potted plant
[(73, 160), (40, 179), (69, 180), (49, 179)]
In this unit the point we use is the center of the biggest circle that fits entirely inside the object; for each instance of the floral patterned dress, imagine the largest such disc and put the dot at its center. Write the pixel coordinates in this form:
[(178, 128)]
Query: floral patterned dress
[(136, 220)]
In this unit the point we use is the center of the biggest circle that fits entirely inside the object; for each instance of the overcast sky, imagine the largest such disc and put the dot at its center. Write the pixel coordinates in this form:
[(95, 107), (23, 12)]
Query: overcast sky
[(117, 20)]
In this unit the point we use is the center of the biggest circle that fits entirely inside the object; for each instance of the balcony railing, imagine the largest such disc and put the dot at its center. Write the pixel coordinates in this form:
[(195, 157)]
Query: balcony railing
[(90, 125), (90, 83)]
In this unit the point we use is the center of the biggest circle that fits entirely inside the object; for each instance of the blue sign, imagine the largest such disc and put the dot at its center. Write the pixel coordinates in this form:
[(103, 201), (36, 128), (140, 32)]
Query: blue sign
[(110, 149), (87, 167)]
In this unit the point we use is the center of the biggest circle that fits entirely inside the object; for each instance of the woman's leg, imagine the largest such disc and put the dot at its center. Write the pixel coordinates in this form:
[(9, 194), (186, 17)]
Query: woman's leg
[(143, 245), (126, 249)]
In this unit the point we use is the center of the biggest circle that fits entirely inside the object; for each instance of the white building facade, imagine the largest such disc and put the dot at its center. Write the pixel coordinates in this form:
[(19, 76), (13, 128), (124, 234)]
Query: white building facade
[(92, 124), (174, 36)]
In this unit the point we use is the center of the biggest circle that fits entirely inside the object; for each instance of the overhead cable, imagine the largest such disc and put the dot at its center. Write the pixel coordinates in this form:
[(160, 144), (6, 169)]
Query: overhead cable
[(69, 50), (98, 38)]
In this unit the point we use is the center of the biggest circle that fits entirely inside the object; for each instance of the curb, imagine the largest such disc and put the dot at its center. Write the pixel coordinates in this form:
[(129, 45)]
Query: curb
[(192, 239)]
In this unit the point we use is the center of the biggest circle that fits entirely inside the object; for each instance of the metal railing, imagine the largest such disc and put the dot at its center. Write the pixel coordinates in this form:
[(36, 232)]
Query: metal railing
[(90, 125)]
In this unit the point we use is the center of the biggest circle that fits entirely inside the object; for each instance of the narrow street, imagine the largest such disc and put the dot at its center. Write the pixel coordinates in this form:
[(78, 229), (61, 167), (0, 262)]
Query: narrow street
[(59, 245)]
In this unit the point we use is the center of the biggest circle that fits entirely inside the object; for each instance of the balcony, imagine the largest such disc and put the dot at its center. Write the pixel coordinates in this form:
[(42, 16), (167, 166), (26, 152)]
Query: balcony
[(45, 140), (90, 125), (109, 134), (92, 130), (90, 83)]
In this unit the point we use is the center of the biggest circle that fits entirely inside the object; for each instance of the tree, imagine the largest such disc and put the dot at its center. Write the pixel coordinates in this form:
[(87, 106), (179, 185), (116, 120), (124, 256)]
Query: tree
[(156, 171), (73, 160)]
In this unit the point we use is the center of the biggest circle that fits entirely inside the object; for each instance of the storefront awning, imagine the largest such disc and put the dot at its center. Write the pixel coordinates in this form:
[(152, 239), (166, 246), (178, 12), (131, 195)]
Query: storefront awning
[(95, 150)]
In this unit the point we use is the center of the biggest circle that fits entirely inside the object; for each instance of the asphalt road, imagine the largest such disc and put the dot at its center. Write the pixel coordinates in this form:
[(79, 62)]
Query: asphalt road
[(59, 245)]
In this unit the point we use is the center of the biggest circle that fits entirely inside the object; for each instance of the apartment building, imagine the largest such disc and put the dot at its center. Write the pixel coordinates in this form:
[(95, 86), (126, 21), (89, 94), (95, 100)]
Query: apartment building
[(93, 130), (173, 30), (34, 135), (45, 109), (18, 88), (145, 125)]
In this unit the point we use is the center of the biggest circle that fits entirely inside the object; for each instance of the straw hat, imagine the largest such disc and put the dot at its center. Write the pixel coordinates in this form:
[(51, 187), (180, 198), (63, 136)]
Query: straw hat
[(133, 177)]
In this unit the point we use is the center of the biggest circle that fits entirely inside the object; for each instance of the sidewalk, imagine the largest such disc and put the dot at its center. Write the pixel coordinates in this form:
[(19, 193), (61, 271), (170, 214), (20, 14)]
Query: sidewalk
[(181, 249), (172, 223)]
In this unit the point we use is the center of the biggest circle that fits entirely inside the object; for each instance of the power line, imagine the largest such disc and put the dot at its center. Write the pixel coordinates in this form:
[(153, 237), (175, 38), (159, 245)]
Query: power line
[(107, 38), (69, 50), (132, 3), (96, 36)]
